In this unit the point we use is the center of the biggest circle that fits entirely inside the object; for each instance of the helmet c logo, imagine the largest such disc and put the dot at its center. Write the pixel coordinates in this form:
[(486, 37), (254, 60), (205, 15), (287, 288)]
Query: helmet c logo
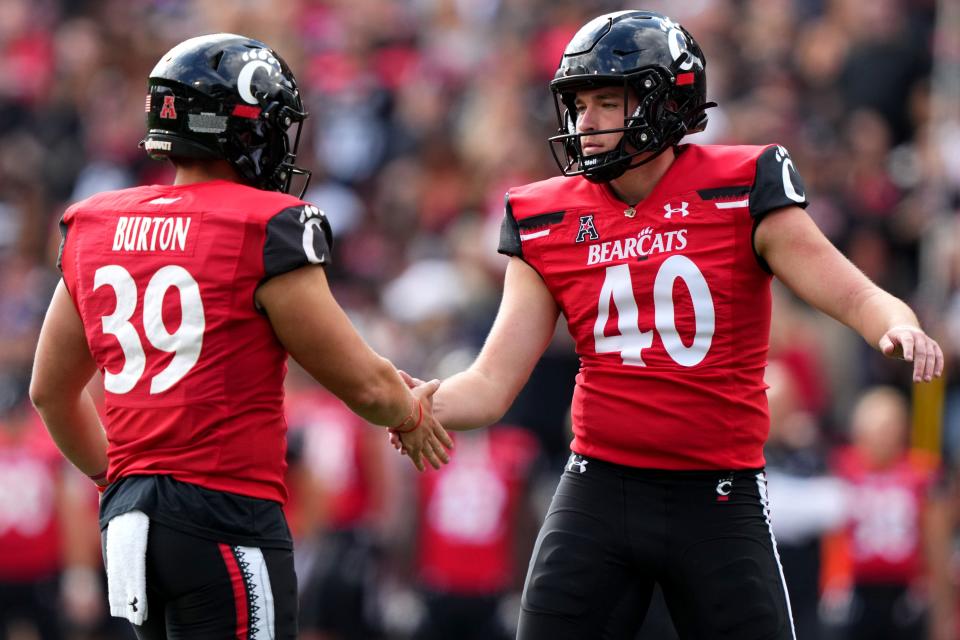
[(245, 79), (678, 45)]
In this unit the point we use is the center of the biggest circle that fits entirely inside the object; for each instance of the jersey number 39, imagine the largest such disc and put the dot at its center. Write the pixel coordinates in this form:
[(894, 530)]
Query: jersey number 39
[(185, 343), (631, 341)]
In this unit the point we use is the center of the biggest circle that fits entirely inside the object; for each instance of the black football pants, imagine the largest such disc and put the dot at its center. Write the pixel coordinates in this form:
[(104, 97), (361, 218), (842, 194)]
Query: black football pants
[(199, 589), (612, 532)]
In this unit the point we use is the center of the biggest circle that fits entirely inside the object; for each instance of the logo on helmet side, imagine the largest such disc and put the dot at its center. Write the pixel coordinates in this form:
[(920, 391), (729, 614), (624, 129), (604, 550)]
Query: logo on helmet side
[(258, 59), (677, 42), (168, 110)]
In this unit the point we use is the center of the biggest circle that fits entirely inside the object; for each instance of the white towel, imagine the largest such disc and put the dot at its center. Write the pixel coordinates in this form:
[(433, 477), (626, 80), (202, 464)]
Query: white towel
[(126, 566)]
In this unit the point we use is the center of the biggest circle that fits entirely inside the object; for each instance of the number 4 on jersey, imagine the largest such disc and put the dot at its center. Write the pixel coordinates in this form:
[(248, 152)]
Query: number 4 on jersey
[(631, 341)]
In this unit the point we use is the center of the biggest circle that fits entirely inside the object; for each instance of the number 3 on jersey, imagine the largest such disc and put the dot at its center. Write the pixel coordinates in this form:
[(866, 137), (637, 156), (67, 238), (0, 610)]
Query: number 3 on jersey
[(185, 343), (631, 341)]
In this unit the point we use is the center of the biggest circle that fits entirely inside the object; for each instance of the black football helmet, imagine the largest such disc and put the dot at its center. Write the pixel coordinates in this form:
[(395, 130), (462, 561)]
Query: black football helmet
[(229, 97), (647, 54)]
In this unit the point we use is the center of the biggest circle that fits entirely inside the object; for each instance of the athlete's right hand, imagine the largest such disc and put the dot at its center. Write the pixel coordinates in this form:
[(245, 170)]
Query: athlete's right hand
[(412, 383), (429, 440)]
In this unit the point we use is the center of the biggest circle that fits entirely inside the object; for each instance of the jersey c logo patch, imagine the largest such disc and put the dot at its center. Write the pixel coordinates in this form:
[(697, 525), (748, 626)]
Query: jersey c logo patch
[(312, 219), (789, 184)]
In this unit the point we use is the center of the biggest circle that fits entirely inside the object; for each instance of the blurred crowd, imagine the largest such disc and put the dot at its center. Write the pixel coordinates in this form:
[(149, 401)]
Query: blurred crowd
[(422, 113)]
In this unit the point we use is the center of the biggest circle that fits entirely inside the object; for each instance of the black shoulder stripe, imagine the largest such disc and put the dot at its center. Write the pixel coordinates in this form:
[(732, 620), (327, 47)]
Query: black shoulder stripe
[(509, 231), (723, 192), (541, 220), (63, 243)]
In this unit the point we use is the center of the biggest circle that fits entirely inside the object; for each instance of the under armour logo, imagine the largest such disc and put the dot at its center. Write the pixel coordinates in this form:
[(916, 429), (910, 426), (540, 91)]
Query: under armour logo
[(133, 604), (577, 463), (682, 210), (724, 487), (587, 230)]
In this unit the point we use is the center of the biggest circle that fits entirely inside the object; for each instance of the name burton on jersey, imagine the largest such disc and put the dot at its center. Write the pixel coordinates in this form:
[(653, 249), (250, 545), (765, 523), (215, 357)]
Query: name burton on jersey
[(645, 244), (151, 233)]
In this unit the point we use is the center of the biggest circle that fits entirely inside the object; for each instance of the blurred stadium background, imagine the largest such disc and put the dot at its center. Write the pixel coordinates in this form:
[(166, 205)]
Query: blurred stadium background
[(423, 112)]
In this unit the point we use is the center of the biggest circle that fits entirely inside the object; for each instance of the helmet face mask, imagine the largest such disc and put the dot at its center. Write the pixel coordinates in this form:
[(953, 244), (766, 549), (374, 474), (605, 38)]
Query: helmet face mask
[(656, 62), (227, 97)]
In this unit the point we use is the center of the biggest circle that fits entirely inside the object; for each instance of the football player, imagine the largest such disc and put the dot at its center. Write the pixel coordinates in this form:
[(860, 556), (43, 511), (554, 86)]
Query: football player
[(896, 500), (188, 298), (660, 256)]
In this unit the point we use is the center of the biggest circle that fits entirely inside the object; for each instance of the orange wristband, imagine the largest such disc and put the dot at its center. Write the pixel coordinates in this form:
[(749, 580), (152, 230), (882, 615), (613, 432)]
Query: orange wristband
[(416, 424), (406, 419)]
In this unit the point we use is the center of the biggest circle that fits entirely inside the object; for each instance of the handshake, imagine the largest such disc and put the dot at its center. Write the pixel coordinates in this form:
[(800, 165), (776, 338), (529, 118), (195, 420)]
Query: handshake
[(420, 436)]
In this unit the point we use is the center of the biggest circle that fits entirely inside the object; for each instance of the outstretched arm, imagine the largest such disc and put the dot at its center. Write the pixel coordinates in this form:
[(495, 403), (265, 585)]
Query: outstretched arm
[(521, 332), (805, 260), (316, 332), (62, 368)]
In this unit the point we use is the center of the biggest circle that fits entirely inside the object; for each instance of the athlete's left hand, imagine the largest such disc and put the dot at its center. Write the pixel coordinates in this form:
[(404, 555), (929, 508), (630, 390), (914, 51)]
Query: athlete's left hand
[(913, 345)]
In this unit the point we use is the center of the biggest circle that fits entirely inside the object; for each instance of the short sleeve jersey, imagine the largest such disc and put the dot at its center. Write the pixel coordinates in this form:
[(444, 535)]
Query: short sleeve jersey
[(164, 279), (667, 301), (31, 467), (885, 519), (470, 508), (333, 440)]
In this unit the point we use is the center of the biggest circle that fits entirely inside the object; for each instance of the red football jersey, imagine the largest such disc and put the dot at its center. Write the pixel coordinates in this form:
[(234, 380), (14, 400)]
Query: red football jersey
[(333, 446), (468, 512), (667, 301), (30, 468), (164, 280), (886, 515)]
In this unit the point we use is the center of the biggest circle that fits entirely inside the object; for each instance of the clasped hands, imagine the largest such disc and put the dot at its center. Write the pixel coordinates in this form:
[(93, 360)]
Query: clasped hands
[(425, 438)]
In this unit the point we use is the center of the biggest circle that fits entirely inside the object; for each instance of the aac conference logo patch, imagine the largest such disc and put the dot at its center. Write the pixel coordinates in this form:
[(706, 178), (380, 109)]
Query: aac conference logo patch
[(587, 230)]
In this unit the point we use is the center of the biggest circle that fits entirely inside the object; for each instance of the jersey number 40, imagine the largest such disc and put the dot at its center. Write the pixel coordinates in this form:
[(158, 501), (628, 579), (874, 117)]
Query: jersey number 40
[(631, 341)]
